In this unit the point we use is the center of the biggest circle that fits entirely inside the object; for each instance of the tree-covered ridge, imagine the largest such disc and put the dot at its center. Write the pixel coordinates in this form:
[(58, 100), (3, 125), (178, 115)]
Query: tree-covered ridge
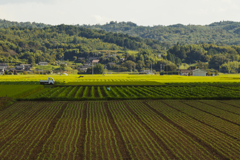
[(226, 32), (5, 24), (51, 43)]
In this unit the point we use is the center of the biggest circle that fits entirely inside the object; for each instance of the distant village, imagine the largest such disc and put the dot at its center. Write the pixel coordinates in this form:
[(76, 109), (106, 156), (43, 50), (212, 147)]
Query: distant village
[(5, 69)]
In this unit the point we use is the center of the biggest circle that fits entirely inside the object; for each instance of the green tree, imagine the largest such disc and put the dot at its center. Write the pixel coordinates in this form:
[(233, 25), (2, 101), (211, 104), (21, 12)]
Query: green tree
[(217, 60), (98, 68), (63, 67), (170, 67)]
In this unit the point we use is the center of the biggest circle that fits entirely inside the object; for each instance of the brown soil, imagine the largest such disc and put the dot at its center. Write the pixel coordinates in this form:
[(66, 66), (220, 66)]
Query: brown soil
[(75, 92), (81, 138), (20, 128), (155, 137), (120, 141), (69, 91), (105, 127), (95, 92), (229, 104), (89, 92), (103, 93), (194, 137), (4, 101), (81, 94), (50, 129), (219, 108), (212, 114)]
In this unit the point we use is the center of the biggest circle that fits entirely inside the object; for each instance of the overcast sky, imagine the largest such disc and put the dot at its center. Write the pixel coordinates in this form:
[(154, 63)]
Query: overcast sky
[(141, 12)]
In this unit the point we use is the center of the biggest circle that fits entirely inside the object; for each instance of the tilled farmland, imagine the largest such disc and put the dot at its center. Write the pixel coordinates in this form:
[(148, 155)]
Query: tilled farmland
[(127, 129)]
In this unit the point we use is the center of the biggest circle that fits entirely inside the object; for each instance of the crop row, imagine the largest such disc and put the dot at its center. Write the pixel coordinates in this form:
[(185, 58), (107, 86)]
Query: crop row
[(62, 143), (212, 120), (206, 131), (180, 144), (30, 134), (143, 129), (16, 117), (139, 143), (192, 92), (100, 140)]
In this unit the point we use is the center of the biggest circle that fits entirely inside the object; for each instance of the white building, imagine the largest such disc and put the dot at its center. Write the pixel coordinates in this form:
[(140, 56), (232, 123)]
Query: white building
[(199, 72)]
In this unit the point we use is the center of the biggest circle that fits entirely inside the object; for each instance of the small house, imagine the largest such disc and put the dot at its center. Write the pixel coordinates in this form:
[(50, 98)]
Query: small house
[(87, 64), (122, 59), (184, 72), (146, 71), (26, 67), (84, 68), (95, 61), (2, 70), (93, 58), (199, 72), (43, 63), (23, 67)]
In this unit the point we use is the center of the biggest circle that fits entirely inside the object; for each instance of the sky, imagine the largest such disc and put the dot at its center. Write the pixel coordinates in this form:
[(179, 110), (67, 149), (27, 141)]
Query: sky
[(141, 12)]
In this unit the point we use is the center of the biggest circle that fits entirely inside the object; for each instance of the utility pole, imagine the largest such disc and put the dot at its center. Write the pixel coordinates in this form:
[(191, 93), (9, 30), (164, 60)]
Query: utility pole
[(151, 67), (92, 68)]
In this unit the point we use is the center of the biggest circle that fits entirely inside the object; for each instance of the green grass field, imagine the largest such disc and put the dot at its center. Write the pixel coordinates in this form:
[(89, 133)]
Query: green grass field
[(109, 79), (16, 91), (16, 85)]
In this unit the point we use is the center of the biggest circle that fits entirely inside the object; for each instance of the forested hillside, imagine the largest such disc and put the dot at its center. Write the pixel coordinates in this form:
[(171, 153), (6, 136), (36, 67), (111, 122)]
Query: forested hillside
[(226, 32), (51, 43), (5, 24)]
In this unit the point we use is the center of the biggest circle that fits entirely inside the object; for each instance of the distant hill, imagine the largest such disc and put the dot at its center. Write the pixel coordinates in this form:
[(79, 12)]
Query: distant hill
[(5, 24), (225, 32)]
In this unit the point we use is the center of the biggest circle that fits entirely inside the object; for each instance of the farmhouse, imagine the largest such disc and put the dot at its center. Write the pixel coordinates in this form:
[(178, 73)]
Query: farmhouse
[(84, 68), (43, 63), (87, 64), (184, 72), (25, 67), (95, 61), (93, 58), (199, 72), (110, 55), (2, 71), (122, 59)]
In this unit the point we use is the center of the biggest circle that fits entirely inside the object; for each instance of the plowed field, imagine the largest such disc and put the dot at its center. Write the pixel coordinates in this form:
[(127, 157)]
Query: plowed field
[(129, 129)]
